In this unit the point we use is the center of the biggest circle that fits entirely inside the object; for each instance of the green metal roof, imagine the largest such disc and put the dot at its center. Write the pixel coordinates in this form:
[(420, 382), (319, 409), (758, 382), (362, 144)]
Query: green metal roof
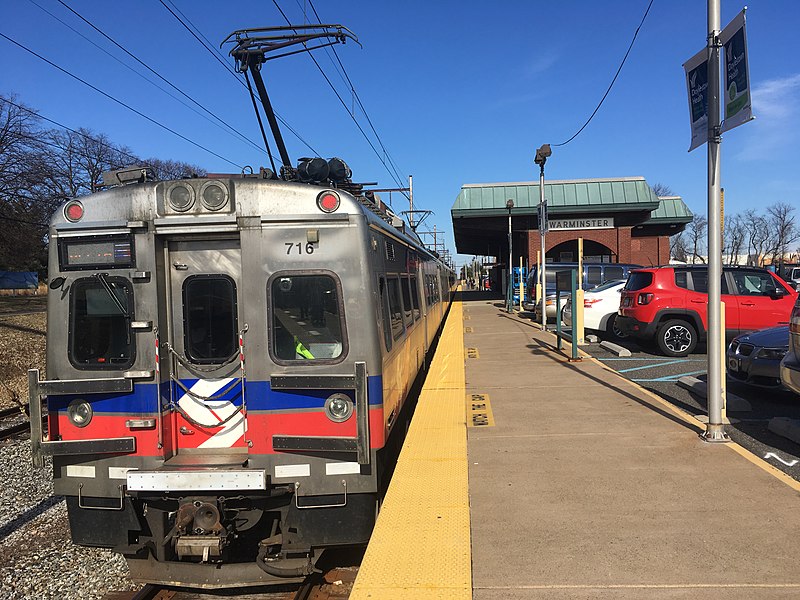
[(572, 196), (671, 209)]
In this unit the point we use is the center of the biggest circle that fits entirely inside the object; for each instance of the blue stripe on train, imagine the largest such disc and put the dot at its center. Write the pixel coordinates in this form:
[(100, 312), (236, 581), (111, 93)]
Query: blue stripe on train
[(259, 397)]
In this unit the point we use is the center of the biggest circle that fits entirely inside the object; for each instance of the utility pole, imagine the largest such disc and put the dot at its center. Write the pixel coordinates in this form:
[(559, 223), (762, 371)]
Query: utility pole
[(715, 431)]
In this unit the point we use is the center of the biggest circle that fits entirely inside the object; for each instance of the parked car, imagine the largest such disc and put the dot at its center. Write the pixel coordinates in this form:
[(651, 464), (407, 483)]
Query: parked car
[(790, 365), (755, 358), (593, 274), (668, 304), (600, 307)]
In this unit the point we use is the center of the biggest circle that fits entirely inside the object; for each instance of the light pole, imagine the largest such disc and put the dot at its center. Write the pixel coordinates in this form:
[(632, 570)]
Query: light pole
[(510, 292), (541, 158)]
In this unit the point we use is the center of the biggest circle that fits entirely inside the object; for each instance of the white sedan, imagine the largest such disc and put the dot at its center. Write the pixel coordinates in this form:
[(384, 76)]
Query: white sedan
[(600, 305)]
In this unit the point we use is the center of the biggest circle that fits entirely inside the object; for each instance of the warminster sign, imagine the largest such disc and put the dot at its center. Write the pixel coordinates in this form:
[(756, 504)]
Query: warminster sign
[(599, 223)]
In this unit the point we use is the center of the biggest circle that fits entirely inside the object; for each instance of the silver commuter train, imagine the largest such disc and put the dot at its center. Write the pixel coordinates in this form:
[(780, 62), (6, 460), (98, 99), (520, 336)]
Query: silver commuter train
[(227, 360)]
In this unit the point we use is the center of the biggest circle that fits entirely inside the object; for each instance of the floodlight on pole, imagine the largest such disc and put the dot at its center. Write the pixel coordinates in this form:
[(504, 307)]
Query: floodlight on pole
[(542, 154)]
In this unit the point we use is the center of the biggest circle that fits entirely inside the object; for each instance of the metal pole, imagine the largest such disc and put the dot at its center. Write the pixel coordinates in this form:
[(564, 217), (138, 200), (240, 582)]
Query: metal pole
[(541, 235), (714, 430), (411, 200), (510, 278)]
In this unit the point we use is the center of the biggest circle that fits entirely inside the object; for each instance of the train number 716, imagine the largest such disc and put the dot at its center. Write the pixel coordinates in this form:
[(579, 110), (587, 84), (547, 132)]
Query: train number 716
[(292, 247)]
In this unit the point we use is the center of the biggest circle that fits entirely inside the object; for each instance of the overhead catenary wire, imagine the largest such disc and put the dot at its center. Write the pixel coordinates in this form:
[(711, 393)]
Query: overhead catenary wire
[(217, 121), (120, 102), (394, 177), (358, 100), (227, 67), (630, 47)]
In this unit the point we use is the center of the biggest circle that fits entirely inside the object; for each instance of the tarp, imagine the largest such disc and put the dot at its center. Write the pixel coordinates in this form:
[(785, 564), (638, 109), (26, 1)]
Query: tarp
[(18, 281)]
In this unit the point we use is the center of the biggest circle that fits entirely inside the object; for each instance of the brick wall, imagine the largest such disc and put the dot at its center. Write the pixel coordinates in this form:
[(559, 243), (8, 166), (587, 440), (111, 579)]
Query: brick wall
[(644, 250)]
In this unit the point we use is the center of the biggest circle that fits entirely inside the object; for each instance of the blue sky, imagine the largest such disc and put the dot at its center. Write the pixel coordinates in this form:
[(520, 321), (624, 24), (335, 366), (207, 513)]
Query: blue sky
[(460, 92)]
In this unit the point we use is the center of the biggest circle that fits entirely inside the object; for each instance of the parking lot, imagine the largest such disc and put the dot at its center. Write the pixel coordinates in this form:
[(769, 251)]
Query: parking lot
[(749, 428)]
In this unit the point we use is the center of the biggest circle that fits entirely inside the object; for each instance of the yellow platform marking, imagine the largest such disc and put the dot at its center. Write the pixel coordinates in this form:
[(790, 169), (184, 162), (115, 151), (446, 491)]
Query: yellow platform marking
[(467, 329), (473, 353), (421, 544), (479, 411)]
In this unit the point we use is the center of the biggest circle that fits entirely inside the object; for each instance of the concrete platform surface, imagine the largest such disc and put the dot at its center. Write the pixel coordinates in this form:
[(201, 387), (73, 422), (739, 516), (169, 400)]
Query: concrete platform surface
[(588, 486)]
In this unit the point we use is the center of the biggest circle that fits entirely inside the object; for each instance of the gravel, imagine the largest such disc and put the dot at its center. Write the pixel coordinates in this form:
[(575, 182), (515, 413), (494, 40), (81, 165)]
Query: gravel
[(37, 557)]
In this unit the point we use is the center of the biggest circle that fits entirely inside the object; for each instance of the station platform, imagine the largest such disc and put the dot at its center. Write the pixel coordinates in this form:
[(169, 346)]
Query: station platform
[(528, 476)]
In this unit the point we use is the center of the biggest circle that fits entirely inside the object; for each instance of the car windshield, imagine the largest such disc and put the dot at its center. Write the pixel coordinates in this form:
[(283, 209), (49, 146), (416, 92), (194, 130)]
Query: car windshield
[(606, 285)]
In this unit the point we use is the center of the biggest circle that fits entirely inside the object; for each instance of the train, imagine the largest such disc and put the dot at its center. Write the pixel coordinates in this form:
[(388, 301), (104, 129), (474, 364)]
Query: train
[(228, 360)]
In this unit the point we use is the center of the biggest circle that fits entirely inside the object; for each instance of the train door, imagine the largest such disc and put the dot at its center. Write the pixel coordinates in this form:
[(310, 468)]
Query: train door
[(205, 321)]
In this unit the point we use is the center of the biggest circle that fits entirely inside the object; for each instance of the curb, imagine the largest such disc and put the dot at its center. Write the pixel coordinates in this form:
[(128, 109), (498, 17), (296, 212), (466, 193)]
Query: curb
[(785, 427), (615, 348), (733, 402)]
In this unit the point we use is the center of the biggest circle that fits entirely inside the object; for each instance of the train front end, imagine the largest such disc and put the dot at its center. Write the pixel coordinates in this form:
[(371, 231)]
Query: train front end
[(213, 389)]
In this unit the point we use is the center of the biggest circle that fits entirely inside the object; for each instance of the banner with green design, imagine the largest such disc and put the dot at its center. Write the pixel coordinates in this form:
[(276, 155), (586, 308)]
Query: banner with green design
[(737, 99)]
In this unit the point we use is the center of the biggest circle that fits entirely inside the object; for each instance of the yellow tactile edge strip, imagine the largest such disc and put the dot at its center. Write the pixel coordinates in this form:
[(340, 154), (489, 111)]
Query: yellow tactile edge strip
[(689, 418), (421, 544)]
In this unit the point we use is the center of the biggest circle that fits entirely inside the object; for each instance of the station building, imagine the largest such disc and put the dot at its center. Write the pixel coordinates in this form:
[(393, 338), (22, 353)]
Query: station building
[(620, 220)]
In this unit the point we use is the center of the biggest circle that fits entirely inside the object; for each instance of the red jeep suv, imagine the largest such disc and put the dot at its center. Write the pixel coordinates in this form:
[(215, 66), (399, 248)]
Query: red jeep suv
[(669, 304)]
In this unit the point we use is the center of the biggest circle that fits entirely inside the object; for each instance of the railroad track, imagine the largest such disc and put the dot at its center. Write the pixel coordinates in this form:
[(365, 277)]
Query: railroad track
[(8, 427)]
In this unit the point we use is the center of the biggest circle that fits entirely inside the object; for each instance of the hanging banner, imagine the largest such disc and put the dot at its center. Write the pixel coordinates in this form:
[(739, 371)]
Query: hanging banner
[(738, 109), (696, 69)]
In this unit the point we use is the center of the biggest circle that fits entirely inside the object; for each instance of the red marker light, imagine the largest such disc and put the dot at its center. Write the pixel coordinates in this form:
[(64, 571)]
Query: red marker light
[(73, 211), (328, 201)]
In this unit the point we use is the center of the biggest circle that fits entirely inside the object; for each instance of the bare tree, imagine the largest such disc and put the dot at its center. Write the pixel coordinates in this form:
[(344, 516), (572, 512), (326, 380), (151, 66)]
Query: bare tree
[(678, 247), (733, 238), (781, 222), (661, 190), (696, 233), (757, 236), (172, 169)]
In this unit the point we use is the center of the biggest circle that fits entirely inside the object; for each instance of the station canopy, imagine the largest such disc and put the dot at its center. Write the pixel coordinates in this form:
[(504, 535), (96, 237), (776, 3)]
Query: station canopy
[(480, 216)]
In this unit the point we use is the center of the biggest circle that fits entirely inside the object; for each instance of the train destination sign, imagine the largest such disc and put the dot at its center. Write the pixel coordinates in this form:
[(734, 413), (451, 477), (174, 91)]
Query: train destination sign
[(596, 223)]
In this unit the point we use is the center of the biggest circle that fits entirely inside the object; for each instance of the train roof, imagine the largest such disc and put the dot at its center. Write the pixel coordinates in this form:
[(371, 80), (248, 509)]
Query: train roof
[(231, 198)]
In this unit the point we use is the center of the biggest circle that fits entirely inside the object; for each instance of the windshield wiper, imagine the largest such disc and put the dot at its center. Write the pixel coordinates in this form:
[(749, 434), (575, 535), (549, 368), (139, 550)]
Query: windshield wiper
[(103, 279)]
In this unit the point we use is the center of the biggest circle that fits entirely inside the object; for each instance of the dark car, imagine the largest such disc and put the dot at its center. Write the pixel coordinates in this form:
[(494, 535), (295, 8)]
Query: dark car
[(755, 358)]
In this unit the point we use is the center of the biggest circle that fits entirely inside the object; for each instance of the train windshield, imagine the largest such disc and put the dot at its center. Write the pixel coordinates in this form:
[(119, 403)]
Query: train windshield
[(210, 329), (306, 318), (100, 325)]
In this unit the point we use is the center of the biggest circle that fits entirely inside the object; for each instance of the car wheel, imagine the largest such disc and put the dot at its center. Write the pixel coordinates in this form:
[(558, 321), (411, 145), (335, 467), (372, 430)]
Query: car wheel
[(613, 329), (676, 338)]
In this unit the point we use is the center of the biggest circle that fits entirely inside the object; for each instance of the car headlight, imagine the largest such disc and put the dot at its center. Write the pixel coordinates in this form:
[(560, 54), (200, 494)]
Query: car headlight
[(80, 412), (338, 407), (771, 353)]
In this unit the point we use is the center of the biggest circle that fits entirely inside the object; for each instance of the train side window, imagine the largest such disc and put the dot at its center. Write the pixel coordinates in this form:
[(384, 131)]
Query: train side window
[(100, 335), (307, 318), (387, 329), (405, 286), (395, 308), (210, 323), (415, 298)]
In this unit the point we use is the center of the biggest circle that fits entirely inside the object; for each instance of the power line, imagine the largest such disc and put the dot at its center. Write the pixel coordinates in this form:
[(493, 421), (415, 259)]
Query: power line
[(120, 102), (227, 67), (396, 179), (230, 128), (40, 116), (612, 81), (358, 99)]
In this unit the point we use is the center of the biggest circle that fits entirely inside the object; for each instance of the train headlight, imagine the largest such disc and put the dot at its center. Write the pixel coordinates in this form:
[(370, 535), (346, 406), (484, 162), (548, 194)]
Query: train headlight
[(328, 201), (338, 407), (213, 195), (73, 211), (80, 412), (180, 197)]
